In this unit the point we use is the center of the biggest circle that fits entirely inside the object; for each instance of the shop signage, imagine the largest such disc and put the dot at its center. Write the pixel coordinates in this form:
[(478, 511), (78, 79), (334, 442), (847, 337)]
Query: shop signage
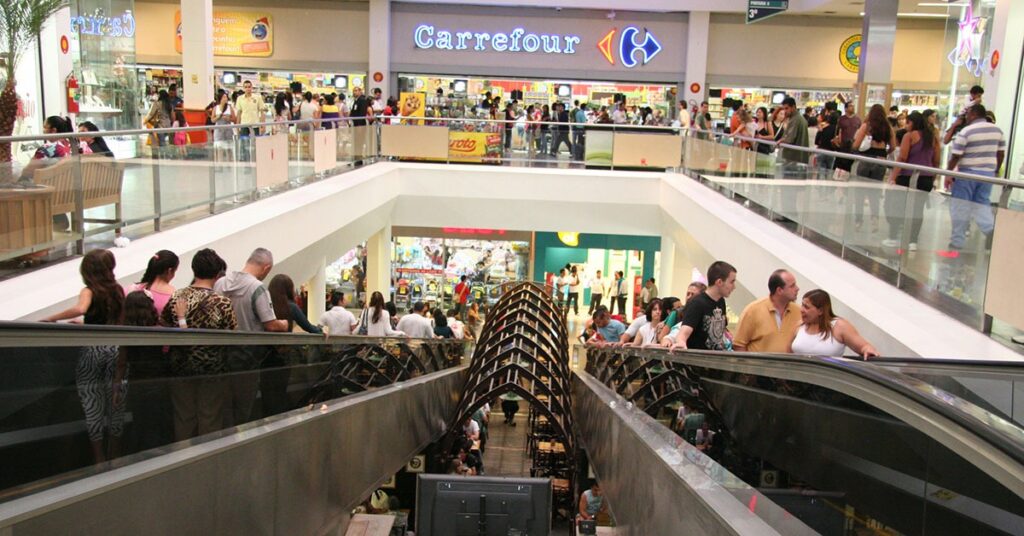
[(237, 33), (762, 9), (64, 44), (969, 51), (477, 147), (472, 231), (122, 25), (628, 46), (426, 36), (849, 53)]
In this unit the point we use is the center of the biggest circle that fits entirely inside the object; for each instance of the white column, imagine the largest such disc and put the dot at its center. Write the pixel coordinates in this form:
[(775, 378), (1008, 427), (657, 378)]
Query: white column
[(380, 47), (697, 34), (56, 64), (316, 292), (878, 38), (197, 53), (1008, 39), (378, 263), (667, 265)]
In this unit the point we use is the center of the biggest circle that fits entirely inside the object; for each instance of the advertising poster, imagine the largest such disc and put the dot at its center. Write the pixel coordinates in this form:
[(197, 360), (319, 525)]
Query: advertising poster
[(413, 107), (475, 147), (237, 33)]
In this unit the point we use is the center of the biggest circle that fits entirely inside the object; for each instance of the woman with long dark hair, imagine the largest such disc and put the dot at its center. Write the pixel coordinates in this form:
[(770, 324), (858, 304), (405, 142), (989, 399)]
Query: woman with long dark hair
[(883, 143), (765, 130), (441, 327), (97, 145), (920, 146), (282, 296), (157, 279), (822, 333), (375, 320), (99, 303)]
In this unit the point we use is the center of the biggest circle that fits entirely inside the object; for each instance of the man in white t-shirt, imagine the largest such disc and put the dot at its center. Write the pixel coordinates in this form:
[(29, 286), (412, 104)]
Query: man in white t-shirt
[(596, 292), (416, 324), (471, 429), (338, 320)]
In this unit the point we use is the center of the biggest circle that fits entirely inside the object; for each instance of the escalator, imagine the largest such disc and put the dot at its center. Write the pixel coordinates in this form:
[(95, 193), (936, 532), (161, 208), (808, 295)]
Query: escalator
[(874, 449)]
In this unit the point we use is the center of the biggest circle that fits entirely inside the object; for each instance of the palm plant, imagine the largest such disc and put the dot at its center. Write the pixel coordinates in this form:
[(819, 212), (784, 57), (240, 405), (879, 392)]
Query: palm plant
[(20, 24)]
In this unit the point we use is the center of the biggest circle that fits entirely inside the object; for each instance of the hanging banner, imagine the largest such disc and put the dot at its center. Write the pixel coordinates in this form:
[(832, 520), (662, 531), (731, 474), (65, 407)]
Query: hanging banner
[(236, 33)]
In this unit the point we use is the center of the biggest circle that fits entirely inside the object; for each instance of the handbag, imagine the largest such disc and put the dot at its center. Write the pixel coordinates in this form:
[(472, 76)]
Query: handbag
[(363, 321)]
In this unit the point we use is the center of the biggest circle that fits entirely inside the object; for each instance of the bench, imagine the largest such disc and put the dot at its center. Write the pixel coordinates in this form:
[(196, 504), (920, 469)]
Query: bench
[(102, 179)]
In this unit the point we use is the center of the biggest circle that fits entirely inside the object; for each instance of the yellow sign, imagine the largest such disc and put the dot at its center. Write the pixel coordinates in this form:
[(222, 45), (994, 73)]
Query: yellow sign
[(413, 107), (849, 53), (478, 147), (236, 33)]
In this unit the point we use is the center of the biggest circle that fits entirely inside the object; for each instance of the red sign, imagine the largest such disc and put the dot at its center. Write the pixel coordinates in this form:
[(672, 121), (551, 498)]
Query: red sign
[(377, 76), (695, 88), (64, 45), (994, 62)]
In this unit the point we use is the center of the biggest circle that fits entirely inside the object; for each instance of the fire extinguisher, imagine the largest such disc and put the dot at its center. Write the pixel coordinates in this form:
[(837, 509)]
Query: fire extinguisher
[(72, 85)]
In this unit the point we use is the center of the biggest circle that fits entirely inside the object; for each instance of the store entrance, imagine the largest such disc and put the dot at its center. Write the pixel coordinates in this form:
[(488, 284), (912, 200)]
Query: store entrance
[(462, 96)]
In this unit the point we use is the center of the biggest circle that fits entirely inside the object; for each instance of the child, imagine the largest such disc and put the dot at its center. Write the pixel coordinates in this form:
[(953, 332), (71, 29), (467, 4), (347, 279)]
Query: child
[(180, 138)]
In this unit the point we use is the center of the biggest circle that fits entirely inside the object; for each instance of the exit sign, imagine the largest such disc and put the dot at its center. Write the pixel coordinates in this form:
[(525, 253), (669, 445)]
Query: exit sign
[(762, 9)]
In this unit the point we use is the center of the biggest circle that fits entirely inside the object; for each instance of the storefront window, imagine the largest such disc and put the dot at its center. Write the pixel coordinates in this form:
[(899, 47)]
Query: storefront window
[(457, 96), (427, 269), (348, 275), (103, 48)]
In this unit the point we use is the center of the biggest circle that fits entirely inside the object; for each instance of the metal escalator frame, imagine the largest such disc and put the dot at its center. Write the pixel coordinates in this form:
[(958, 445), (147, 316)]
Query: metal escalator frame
[(987, 441)]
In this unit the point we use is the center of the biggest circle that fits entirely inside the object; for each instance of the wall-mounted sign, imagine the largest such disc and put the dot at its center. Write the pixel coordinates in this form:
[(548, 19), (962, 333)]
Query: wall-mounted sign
[(628, 46), (762, 9), (518, 40), (694, 88), (237, 33), (122, 25), (969, 52), (994, 62), (65, 45), (849, 53)]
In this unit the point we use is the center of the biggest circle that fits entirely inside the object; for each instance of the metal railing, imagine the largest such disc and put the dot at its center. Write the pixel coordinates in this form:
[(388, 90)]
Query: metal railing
[(80, 400)]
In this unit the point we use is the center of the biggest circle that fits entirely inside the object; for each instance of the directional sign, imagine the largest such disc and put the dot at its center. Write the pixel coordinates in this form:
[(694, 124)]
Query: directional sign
[(762, 9)]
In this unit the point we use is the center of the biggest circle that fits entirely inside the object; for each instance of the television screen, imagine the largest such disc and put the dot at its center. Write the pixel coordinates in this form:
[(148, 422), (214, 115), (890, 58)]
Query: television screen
[(229, 79), (451, 505), (564, 90), (778, 96), (459, 86), (340, 82)]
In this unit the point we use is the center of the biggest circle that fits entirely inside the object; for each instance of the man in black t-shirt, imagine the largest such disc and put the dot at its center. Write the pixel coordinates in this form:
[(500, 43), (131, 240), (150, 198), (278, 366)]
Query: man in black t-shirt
[(704, 320)]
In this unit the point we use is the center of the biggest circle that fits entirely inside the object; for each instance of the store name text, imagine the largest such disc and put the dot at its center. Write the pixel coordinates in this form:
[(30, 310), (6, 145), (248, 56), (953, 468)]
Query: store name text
[(426, 36), (122, 25)]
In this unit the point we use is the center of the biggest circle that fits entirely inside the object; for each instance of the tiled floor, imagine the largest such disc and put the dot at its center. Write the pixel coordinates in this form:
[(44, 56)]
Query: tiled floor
[(505, 454)]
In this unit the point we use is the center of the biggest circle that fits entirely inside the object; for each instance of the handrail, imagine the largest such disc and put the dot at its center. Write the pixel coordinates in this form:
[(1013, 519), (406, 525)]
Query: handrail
[(994, 430), (49, 335)]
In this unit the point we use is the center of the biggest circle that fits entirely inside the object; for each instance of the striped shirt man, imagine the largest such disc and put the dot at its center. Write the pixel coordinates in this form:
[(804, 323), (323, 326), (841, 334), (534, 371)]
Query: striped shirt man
[(978, 145)]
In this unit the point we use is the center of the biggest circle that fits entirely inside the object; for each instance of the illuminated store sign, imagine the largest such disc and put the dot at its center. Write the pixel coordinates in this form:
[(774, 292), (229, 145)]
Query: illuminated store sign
[(425, 36), (122, 25), (969, 52), (633, 47)]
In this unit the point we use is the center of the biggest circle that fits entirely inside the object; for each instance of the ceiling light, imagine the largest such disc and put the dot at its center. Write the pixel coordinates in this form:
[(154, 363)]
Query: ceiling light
[(919, 15)]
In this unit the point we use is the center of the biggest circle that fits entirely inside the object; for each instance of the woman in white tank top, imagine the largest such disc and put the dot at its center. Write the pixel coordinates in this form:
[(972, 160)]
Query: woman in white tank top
[(823, 333), (647, 335)]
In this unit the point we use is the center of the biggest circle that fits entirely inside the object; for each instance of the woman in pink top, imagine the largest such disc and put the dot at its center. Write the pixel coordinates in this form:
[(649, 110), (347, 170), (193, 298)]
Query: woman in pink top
[(157, 279)]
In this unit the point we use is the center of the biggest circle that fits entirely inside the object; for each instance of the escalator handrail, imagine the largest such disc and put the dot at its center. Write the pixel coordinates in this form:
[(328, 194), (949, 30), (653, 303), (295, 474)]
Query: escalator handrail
[(44, 334), (996, 431)]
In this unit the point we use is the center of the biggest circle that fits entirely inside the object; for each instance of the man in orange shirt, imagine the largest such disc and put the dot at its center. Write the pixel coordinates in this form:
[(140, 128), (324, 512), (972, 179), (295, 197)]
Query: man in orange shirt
[(768, 324)]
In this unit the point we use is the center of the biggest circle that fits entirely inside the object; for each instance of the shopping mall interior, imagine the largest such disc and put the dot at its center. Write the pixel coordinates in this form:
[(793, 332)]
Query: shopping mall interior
[(494, 268)]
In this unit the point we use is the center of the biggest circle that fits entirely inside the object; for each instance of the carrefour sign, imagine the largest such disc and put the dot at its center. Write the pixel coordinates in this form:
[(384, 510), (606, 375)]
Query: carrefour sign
[(630, 50)]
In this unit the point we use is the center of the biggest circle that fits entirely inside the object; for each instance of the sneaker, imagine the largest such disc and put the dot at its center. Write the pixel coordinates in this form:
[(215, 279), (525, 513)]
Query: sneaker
[(913, 246), (890, 243)]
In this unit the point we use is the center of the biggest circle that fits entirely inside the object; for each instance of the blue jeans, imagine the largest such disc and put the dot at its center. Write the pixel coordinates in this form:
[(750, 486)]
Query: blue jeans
[(970, 200)]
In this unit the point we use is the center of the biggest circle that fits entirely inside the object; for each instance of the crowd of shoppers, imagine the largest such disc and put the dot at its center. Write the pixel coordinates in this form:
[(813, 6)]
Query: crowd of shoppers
[(180, 392), (976, 145)]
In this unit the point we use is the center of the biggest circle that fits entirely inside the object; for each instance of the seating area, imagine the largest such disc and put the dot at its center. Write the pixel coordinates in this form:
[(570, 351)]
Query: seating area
[(102, 181)]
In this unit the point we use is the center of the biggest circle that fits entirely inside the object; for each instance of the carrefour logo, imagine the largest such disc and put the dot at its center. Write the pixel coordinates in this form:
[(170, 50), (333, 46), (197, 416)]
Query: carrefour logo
[(630, 46), (634, 46)]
